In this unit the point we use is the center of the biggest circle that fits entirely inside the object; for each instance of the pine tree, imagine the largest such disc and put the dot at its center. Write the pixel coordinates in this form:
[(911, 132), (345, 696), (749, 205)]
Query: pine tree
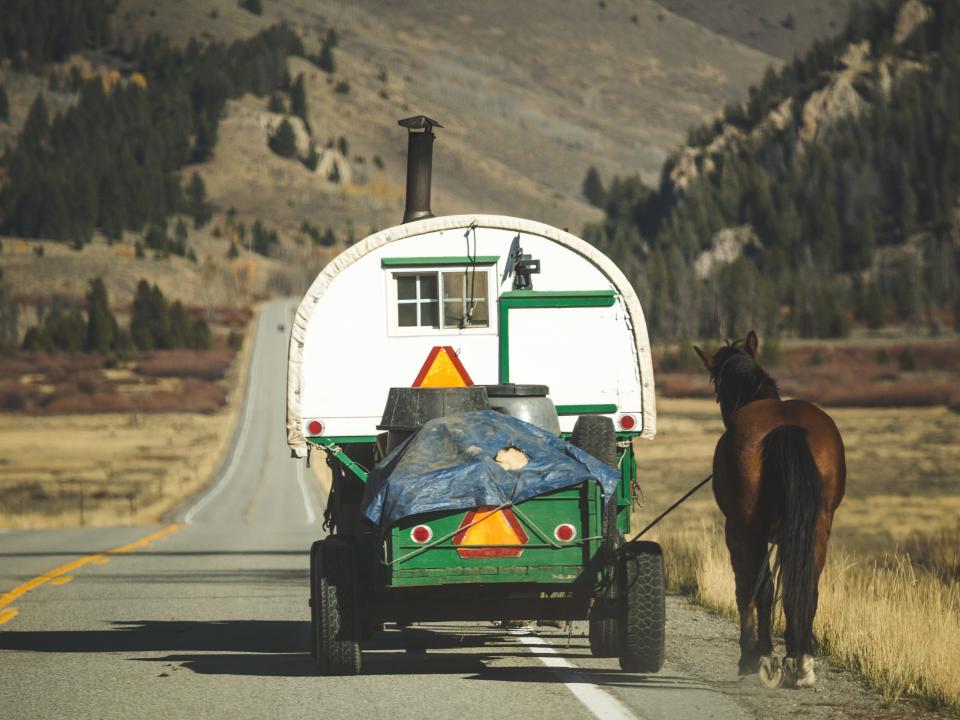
[(197, 201), (180, 237), (37, 127), (284, 142), (593, 189), (101, 323), (276, 103), (199, 338), (180, 324), (298, 101), (325, 60), (9, 316)]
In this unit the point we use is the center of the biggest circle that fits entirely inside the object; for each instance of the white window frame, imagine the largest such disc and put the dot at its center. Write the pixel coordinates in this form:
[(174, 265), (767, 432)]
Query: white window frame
[(393, 325)]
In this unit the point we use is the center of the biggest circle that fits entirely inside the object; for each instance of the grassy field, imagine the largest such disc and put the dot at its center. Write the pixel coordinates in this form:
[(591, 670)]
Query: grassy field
[(68, 470), (890, 597), (903, 471)]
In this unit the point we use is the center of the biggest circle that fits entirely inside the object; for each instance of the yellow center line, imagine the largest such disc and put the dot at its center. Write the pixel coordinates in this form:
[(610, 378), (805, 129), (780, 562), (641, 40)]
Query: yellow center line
[(99, 558)]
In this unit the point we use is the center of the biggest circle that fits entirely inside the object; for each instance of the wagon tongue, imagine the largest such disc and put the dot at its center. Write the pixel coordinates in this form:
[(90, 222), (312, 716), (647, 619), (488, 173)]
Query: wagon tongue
[(419, 166)]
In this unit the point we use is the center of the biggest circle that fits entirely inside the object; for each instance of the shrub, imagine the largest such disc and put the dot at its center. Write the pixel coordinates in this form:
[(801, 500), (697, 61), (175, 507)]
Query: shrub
[(342, 87), (276, 103), (684, 358), (772, 353), (907, 360), (13, 400), (284, 142), (252, 6)]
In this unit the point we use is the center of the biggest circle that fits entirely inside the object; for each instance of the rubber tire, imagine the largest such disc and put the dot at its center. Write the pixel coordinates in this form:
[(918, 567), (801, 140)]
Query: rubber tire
[(595, 434), (335, 626), (643, 607)]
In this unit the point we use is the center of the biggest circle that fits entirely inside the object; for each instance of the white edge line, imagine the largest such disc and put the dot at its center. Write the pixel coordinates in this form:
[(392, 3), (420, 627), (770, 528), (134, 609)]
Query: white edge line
[(247, 405), (597, 700), (311, 515)]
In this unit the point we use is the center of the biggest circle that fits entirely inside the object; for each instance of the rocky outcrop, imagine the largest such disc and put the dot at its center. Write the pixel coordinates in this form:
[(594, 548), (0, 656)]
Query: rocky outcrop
[(333, 164), (858, 81), (271, 121), (912, 15), (725, 247)]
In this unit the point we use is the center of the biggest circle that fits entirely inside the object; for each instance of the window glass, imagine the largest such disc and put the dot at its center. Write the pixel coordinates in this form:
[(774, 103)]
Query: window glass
[(465, 292), (481, 315), (407, 315), (428, 287), (417, 302), (406, 287), (428, 314)]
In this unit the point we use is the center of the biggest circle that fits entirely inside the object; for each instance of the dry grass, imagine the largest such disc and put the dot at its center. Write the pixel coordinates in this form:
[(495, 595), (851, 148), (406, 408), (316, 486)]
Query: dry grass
[(167, 381), (903, 471), (882, 374), (892, 622), (111, 468), (938, 551), (890, 600)]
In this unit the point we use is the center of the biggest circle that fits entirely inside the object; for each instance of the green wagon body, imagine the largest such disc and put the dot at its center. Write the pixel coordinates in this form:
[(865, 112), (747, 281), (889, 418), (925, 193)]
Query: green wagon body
[(394, 561)]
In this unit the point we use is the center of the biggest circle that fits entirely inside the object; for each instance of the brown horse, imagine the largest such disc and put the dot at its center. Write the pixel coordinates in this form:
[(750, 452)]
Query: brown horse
[(778, 476)]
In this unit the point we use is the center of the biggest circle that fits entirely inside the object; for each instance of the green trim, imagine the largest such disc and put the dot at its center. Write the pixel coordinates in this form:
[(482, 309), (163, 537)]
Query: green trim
[(598, 408), (558, 294), (515, 299), (446, 260), (341, 439)]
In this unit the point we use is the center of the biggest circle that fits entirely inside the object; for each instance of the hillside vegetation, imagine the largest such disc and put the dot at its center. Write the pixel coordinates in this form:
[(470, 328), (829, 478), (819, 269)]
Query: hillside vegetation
[(828, 198)]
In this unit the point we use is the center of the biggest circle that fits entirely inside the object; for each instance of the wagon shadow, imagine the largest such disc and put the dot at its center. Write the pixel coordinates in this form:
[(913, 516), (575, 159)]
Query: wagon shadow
[(280, 648)]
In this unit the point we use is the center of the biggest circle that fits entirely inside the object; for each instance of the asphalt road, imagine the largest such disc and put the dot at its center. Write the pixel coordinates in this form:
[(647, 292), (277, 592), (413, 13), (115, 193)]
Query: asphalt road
[(209, 617)]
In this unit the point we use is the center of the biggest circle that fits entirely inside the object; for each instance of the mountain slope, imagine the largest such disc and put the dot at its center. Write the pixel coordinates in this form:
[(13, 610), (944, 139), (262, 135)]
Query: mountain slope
[(531, 95), (830, 198)]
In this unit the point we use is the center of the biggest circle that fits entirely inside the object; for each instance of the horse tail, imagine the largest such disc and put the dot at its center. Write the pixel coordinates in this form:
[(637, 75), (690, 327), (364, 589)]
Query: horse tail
[(788, 465)]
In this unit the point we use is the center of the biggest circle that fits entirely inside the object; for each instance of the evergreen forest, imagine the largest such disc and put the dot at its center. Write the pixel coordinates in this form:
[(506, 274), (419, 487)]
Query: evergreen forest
[(111, 161), (856, 227)]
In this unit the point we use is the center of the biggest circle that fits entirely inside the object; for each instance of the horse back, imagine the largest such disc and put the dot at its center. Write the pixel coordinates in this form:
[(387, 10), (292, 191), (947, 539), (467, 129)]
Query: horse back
[(738, 459)]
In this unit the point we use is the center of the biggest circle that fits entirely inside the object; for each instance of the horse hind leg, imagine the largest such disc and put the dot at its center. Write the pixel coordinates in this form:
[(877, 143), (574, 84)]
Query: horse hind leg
[(746, 556), (771, 671)]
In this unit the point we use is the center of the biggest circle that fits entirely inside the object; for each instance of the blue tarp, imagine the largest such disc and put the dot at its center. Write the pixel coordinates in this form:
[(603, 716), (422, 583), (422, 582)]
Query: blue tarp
[(449, 465)]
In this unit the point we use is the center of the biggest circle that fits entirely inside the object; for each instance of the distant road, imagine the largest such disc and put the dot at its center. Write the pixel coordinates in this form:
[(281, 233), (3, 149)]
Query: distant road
[(209, 617)]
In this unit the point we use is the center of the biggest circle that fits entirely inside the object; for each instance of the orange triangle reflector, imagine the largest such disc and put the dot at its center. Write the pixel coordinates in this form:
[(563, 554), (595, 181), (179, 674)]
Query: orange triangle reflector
[(443, 369), (490, 533)]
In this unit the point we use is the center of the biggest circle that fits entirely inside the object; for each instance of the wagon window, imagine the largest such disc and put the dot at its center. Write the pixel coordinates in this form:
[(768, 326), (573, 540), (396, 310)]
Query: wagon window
[(417, 301), (442, 295), (465, 299)]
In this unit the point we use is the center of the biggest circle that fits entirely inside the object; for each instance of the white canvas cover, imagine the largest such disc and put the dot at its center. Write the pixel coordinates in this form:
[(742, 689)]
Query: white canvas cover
[(335, 267)]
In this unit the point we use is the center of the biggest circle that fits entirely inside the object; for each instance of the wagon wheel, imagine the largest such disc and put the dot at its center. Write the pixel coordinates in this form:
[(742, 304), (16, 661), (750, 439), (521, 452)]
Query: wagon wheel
[(643, 607), (335, 626), (595, 435)]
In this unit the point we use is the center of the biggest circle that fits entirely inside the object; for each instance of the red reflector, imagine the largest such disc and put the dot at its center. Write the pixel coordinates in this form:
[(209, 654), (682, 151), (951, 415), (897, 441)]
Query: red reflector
[(421, 534), (315, 427), (627, 422), (565, 532)]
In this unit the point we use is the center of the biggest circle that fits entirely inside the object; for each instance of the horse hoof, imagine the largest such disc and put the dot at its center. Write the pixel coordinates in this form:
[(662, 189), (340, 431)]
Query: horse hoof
[(748, 665), (772, 674), (805, 677)]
